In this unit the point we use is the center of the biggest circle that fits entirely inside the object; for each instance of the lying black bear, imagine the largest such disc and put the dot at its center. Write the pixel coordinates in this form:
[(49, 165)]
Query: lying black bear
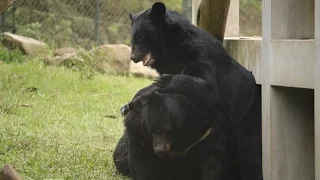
[(120, 154), (195, 63), (160, 145)]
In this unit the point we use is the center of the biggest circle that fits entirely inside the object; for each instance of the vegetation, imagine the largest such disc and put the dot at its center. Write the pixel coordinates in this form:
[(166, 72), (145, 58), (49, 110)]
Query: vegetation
[(55, 125), (250, 17), (60, 122), (80, 22), (88, 23)]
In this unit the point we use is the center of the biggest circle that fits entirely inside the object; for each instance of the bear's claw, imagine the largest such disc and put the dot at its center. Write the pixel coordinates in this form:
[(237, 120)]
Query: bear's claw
[(163, 80)]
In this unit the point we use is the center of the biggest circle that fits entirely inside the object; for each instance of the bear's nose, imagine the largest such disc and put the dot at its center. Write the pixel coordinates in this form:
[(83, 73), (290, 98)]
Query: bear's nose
[(160, 152), (161, 147), (133, 57)]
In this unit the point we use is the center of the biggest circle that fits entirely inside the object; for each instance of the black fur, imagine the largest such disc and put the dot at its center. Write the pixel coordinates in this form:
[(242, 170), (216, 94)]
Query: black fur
[(163, 119), (177, 46)]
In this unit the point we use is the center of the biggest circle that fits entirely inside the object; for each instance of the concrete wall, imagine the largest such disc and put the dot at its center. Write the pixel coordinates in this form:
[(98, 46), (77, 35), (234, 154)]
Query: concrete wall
[(288, 59), (317, 89), (291, 134), (292, 63), (286, 62), (247, 51), (289, 70), (292, 19)]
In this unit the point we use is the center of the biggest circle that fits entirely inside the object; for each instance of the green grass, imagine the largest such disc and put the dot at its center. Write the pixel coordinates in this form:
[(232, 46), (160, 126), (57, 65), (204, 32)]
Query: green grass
[(54, 125)]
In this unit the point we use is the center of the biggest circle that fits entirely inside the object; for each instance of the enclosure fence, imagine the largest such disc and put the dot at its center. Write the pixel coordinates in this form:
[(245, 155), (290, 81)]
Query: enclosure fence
[(84, 23)]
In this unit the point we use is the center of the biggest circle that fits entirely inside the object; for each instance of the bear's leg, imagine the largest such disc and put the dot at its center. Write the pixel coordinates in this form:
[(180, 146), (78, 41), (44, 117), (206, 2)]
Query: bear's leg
[(120, 155), (214, 158), (249, 142), (142, 162), (212, 168), (250, 156), (194, 88)]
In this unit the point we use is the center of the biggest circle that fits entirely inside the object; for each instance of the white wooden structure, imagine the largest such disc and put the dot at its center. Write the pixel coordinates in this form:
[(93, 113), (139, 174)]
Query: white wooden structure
[(286, 63)]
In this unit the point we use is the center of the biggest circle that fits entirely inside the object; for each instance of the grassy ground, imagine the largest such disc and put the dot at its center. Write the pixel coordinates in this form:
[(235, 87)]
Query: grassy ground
[(55, 125)]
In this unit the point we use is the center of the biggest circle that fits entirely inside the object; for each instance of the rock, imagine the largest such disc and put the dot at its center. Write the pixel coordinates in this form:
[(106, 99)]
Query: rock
[(137, 69), (64, 56), (61, 60), (108, 58), (25, 44), (112, 58), (8, 173), (63, 51)]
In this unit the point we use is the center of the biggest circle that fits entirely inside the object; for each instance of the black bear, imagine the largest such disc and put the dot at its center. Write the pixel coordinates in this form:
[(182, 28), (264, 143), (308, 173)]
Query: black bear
[(192, 63), (160, 145), (120, 154)]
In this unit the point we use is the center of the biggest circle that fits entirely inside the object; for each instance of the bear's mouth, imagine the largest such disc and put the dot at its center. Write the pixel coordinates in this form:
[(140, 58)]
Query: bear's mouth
[(148, 60), (161, 145)]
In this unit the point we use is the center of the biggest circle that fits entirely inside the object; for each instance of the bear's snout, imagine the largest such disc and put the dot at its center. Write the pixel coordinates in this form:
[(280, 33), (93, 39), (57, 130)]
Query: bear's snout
[(133, 57), (161, 146)]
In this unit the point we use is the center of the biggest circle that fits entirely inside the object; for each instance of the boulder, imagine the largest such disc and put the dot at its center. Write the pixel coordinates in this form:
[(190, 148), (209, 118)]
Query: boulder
[(63, 51), (61, 60), (65, 56), (112, 58), (8, 173), (27, 45), (137, 69), (108, 58)]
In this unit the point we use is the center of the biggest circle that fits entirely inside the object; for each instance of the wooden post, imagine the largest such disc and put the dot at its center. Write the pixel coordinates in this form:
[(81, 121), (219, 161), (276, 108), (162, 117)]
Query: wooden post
[(212, 17), (5, 4)]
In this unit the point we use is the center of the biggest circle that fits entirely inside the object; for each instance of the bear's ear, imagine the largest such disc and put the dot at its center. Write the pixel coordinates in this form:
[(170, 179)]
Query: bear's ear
[(131, 16), (158, 10)]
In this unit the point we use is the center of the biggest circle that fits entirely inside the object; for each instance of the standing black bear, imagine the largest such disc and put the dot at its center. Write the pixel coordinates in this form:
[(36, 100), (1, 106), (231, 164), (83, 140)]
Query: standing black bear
[(195, 63)]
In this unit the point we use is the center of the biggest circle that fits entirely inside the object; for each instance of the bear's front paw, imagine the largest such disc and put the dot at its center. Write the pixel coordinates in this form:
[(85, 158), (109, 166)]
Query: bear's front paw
[(124, 110), (163, 81)]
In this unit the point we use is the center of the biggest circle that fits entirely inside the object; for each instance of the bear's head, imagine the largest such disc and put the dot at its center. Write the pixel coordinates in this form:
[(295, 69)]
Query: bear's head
[(172, 123), (151, 34)]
